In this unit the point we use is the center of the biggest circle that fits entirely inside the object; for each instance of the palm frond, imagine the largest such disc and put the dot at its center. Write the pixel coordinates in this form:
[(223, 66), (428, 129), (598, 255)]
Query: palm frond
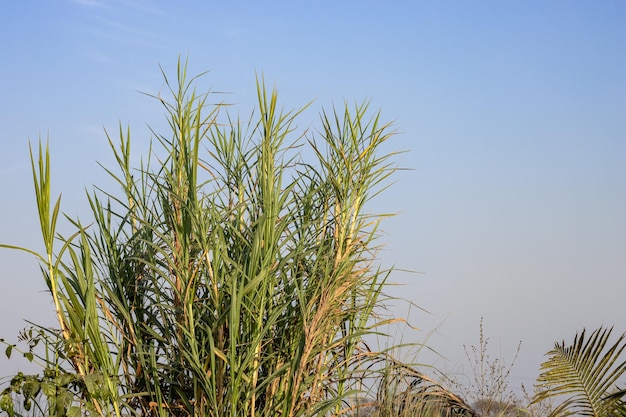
[(584, 374)]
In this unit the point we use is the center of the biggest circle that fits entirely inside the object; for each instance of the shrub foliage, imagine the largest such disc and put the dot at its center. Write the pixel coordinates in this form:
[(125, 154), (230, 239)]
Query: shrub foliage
[(232, 273)]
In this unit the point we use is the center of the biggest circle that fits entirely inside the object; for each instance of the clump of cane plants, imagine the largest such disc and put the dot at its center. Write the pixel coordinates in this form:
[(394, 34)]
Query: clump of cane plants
[(232, 273)]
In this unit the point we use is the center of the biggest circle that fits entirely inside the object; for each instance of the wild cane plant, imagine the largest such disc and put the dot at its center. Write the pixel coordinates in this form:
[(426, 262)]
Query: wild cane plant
[(229, 277)]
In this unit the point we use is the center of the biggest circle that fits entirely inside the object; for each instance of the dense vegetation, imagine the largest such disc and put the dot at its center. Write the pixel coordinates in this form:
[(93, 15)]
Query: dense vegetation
[(234, 272)]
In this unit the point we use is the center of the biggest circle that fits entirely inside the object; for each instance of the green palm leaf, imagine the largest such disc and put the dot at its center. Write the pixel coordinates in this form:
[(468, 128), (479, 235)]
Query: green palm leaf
[(584, 375)]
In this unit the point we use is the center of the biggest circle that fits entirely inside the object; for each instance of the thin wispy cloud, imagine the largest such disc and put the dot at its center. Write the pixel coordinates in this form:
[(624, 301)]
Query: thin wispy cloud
[(118, 32), (143, 7), (100, 57), (121, 23), (90, 3)]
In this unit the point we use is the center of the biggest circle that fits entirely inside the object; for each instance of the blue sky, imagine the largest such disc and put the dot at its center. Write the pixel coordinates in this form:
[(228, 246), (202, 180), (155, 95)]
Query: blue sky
[(512, 113)]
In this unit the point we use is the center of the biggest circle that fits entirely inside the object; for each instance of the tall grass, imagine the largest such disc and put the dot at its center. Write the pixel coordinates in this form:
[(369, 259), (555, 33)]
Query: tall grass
[(227, 275)]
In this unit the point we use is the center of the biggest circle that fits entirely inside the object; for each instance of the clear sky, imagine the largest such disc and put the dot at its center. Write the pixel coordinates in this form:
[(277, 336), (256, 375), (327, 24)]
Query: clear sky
[(513, 113)]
